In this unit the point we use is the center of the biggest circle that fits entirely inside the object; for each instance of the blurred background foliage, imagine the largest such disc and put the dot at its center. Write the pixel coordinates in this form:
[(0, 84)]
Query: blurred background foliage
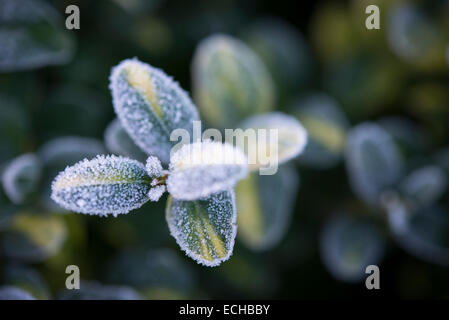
[(373, 186)]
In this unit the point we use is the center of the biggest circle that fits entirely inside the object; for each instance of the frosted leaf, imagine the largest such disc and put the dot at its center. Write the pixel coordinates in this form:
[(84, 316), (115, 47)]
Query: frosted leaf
[(69, 149), (156, 193), (21, 177), (230, 81), (421, 232), (32, 35), (104, 185), (118, 141), (92, 290), (414, 36), (57, 153), (34, 237), (206, 228), (200, 169), (424, 185), (154, 167), (287, 142), (14, 293), (407, 134), (150, 105), (348, 246), (373, 161), (265, 205), (326, 126)]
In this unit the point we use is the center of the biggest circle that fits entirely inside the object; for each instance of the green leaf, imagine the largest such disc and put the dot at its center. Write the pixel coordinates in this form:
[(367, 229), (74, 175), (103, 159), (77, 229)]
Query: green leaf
[(32, 35), (326, 126), (373, 161), (424, 186), (200, 169), (21, 177), (205, 229), (34, 237), (265, 205), (230, 81), (348, 246), (150, 105), (104, 185)]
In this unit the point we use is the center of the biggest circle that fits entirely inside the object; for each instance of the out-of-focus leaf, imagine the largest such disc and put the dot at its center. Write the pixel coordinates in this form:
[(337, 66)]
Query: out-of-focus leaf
[(97, 291), (150, 105), (408, 136), (277, 138), (21, 178), (326, 126), (415, 37), (159, 270), (27, 279), (32, 36), (200, 169), (425, 185), (265, 205), (34, 237), (119, 142), (104, 185), (205, 229), (283, 50), (14, 293), (332, 32), (348, 246), (373, 162), (422, 233), (364, 83), (230, 81)]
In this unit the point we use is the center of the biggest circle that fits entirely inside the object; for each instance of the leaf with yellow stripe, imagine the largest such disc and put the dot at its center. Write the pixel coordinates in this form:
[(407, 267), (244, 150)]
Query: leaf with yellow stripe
[(326, 125), (206, 228), (150, 105), (265, 204)]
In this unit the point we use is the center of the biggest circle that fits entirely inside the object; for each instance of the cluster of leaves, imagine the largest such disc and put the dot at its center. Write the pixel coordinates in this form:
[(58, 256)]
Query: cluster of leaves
[(374, 170)]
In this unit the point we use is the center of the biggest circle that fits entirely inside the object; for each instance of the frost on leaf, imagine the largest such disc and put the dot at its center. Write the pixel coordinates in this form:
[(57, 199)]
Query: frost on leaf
[(230, 81), (282, 138), (21, 177), (206, 228), (265, 205), (154, 167), (326, 126), (150, 105), (425, 185), (118, 142), (156, 193), (348, 246), (104, 185), (202, 168), (373, 161), (32, 36)]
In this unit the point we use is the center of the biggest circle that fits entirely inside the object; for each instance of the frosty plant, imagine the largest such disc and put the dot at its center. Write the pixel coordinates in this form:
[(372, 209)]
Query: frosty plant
[(200, 176)]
